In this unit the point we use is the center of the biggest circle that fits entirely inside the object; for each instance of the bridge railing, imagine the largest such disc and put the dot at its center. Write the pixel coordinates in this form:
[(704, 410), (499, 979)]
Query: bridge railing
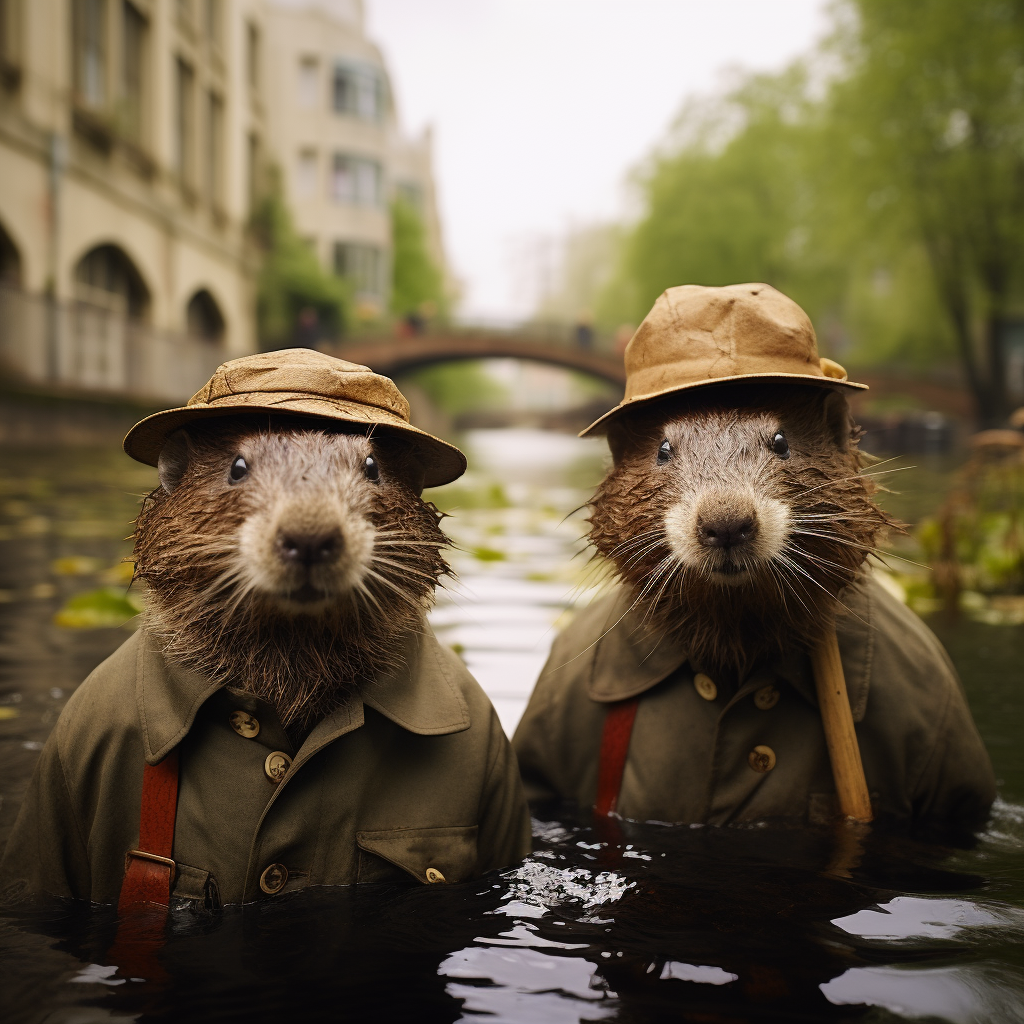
[(83, 347), (543, 332)]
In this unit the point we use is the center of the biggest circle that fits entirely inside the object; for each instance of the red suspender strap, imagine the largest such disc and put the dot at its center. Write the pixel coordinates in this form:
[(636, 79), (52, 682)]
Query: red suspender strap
[(150, 870), (618, 727)]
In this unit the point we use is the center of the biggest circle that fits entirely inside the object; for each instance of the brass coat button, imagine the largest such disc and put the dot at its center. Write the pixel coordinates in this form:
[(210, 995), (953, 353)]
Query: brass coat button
[(244, 724), (705, 686), (766, 698), (274, 878), (761, 759), (276, 765), (433, 875)]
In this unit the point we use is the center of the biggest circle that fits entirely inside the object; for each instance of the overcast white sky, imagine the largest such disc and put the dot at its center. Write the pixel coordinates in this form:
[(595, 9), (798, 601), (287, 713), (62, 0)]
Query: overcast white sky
[(541, 107)]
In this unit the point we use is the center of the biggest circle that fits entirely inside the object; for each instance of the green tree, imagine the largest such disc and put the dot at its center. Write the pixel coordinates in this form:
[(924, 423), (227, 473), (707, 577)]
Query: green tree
[(729, 200), (460, 387), (297, 301), (930, 107), (416, 280)]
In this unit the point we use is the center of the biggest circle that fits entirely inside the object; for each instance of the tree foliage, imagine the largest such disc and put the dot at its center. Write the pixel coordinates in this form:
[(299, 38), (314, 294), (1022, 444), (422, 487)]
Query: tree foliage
[(416, 280), (460, 387), (297, 301), (933, 113), (880, 182)]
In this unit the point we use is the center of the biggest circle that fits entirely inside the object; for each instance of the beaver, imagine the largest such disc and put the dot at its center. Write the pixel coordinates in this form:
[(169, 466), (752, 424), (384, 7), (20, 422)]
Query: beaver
[(287, 559), (284, 718), (737, 515)]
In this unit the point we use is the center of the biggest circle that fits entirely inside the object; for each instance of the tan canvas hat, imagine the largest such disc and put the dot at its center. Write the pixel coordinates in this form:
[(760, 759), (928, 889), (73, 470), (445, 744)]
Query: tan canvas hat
[(299, 381), (696, 336)]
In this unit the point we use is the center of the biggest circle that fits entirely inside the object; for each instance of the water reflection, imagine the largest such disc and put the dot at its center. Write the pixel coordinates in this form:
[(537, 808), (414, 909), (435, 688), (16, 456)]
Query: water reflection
[(519, 556), (634, 923)]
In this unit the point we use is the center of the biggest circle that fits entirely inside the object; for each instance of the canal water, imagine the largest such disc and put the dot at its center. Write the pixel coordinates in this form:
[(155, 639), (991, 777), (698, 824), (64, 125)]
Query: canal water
[(634, 924)]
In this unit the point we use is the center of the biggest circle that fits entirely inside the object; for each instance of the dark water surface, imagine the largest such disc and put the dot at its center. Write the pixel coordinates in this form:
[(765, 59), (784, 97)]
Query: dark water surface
[(633, 923)]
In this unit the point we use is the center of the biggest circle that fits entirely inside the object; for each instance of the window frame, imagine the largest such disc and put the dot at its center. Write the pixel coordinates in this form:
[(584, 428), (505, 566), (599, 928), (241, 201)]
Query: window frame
[(132, 111), (185, 92), (363, 80), (84, 78), (356, 196)]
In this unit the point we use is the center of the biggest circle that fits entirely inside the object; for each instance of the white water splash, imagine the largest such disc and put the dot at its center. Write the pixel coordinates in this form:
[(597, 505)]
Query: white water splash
[(535, 887)]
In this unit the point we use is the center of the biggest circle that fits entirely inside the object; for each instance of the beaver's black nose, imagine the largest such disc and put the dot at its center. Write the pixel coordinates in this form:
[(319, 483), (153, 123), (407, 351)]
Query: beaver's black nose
[(308, 549), (726, 532)]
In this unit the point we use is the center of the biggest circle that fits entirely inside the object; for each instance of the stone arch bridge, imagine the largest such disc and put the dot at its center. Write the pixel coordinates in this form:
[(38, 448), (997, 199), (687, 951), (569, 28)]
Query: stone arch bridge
[(394, 356)]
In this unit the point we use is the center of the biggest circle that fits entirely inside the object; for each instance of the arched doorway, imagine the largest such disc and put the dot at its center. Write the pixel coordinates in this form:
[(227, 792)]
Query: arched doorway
[(106, 277), (107, 344), (10, 261), (204, 318)]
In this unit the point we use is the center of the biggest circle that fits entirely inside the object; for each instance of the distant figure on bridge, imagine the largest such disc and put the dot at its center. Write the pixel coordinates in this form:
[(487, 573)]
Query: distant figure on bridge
[(307, 328), (414, 325), (585, 331)]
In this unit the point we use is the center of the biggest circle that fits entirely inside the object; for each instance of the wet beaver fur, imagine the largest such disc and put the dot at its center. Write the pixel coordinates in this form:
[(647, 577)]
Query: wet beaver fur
[(287, 559), (737, 514)]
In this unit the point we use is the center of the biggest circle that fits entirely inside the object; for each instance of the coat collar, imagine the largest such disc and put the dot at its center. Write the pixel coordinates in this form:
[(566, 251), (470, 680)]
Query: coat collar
[(629, 659), (422, 696)]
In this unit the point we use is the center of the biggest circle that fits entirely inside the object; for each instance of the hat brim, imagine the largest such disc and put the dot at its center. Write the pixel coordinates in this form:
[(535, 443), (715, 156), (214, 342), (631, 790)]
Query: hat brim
[(441, 462), (802, 378)]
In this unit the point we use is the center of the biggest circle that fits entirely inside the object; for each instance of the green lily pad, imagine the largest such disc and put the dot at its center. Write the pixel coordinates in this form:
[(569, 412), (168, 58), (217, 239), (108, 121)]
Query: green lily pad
[(98, 609), (488, 555)]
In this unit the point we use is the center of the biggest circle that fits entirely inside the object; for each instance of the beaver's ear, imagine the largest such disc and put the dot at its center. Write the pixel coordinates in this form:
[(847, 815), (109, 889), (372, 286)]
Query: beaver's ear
[(838, 418), (627, 435), (173, 460), (399, 461)]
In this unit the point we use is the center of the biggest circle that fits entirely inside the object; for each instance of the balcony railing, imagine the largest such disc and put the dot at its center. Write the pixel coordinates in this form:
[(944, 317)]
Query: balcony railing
[(80, 346)]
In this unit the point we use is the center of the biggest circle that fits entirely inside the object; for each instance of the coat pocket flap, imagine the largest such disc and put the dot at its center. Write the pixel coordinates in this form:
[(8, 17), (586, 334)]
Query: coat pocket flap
[(428, 854)]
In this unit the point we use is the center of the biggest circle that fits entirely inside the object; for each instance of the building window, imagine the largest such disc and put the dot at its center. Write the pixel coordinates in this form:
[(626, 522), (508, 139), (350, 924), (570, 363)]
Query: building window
[(133, 55), (90, 60), (214, 147), (9, 35), (252, 57), (214, 21), (359, 91), (254, 176), (356, 181), (309, 83), (305, 174), (183, 124), (363, 265)]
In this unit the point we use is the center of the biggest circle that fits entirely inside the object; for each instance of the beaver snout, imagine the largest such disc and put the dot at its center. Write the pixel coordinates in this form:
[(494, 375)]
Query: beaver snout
[(727, 531), (725, 522), (309, 549)]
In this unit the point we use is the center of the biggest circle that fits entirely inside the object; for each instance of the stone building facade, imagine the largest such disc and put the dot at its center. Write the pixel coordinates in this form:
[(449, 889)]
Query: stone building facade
[(134, 135), (332, 122)]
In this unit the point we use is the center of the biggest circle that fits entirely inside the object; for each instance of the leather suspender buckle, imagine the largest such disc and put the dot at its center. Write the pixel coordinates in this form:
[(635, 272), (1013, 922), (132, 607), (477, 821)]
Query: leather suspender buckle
[(142, 854)]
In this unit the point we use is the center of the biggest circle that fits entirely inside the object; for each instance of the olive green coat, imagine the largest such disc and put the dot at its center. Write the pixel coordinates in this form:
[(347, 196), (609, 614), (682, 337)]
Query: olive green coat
[(416, 774), (690, 757)]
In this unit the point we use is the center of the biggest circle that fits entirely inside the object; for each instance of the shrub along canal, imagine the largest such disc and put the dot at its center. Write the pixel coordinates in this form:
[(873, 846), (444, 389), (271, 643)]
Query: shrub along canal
[(636, 923)]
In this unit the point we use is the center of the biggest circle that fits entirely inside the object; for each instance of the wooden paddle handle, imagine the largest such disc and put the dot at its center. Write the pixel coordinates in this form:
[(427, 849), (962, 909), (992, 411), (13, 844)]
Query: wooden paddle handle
[(847, 769)]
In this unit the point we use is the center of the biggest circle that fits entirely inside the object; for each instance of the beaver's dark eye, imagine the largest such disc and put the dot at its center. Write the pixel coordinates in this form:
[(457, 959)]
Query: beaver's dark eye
[(239, 469), (664, 452), (780, 445), (371, 469)]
